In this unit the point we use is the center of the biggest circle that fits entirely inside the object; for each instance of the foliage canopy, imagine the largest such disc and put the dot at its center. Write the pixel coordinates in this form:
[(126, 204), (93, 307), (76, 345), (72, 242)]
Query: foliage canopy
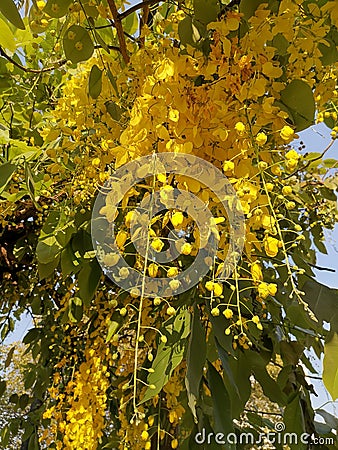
[(88, 86)]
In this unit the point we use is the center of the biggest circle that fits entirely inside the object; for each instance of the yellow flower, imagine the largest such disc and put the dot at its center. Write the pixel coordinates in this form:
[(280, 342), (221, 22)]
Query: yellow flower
[(227, 313), (276, 170), (153, 270), (256, 271), (172, 272), (286, 133), (177, 218), (174, 443), (261, 138), (174, 284), (240, 128), (287, 190), (272, 288), (129, 217), (209, 285), (255, 319), (171, 311), (263, 290), (174, 115), (228, 166), (292, 154), (215, 312), (157, 244), (144, 435), (121, 238), (186, 248), (218, 289), (291, 164), (166, 69), (271, 246), (110, 259)]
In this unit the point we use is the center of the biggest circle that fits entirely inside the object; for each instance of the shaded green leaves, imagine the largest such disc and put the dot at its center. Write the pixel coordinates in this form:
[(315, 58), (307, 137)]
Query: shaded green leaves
[(47, 249), (330, 372), (54, 236), (6, 172), (7, 40), (206, 11), (297, 97), (323, 301), (114, 110), (170, 354), (2, 387), (77, 44), (10, 11), (294, 419), (88, 279), (220, 401), (95, 81), (57, 8), (188, 32)]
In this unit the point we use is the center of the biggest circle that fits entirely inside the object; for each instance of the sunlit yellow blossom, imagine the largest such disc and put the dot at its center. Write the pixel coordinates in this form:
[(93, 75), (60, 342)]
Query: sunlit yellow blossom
[(286, 133)]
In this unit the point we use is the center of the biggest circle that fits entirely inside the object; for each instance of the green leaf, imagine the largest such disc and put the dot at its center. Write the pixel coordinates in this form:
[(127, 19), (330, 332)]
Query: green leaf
[(115, 324), (2, 387), (294, 419), (206, 11), (57, 8), (10, 11), (69, 262), (330, 420), (196, 356), (30, 183), (221, 402), (113, 81), (131, 23), (6, 172), (270, 388), (298, 98), (236, 376), (114, 110), (7, 40), (75, 312), (46, 270), (170, 354), (188, 32), (95, 82), (323, 301), (330, 368), (88, 279), (9, 356), (47, 250), (248, 7), (77, 44)]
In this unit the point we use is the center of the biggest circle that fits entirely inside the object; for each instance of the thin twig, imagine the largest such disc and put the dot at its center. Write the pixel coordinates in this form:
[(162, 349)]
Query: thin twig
[(143, 21), (29, 70), (119, 30), (134, 8)]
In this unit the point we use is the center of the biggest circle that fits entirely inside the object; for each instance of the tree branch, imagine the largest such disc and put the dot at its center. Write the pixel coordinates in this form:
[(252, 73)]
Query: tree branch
[(134, 8), (119, 29), (143, 21), (27, 69)]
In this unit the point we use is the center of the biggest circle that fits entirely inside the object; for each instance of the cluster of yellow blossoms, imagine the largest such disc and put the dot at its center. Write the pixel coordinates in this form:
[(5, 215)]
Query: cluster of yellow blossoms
[(224, 108)]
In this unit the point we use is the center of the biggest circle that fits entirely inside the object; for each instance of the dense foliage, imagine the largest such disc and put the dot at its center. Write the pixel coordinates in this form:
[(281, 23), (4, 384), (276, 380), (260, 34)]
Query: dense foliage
[(88, 86)]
